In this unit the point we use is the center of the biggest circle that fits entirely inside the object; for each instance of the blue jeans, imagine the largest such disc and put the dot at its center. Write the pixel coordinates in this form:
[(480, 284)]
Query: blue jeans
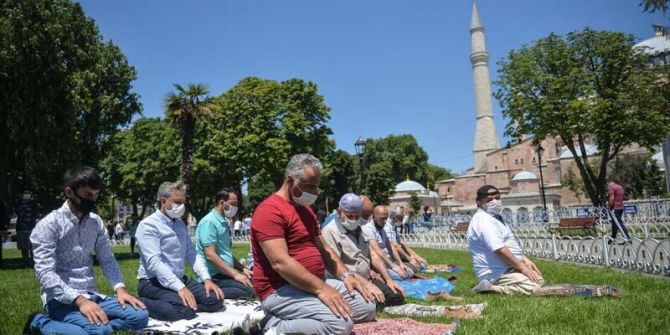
[(60, 318)]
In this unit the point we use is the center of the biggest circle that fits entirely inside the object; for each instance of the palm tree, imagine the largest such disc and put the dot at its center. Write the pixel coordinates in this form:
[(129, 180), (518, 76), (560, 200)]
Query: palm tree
[(183, 108)]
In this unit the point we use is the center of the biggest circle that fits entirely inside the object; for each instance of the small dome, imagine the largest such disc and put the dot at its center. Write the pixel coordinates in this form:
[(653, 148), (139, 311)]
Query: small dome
[(409, 186), (524, 175), (655, 45)]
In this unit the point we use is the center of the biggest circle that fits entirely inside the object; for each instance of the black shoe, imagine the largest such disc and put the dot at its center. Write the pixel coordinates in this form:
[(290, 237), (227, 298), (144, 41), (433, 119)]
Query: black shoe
[(27, 330), (259, 327)]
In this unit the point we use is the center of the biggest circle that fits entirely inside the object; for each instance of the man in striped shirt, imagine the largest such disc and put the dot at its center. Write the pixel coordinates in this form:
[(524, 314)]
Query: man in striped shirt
[(615, 201)]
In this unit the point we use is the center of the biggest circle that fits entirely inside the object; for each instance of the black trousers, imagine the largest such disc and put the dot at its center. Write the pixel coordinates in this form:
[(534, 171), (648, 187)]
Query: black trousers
[(392, 299), (165, 304), (232, 289), (617, 224)]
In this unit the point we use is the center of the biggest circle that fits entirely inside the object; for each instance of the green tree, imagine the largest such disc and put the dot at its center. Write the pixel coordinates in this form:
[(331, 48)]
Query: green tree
[(184, 107), (390, 160), (588, 85), (638, 174), (265, 122), (437, 173), (63, 92), (140, 159), (339, 177), (414, 203)]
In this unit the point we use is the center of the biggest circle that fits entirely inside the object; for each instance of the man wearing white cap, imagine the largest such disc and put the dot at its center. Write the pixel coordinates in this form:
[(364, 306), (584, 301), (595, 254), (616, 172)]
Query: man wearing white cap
[(345, 237)]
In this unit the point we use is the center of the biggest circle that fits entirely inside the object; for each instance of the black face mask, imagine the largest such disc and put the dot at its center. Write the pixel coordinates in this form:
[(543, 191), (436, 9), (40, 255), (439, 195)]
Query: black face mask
[(84, 206)]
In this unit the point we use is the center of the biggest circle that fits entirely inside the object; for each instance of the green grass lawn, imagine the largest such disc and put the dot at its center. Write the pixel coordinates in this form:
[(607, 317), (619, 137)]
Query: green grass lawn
[(643, 310)]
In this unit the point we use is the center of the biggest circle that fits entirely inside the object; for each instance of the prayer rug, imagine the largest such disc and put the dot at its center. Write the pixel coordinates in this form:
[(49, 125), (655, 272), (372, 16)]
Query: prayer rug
[(578, 290), (403, 326), (438, 268), (470, 311), (233, 314)]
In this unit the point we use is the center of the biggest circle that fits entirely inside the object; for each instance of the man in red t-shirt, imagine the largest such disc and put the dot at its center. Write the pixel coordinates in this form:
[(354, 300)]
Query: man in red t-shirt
[(615, 194), (290, 258)]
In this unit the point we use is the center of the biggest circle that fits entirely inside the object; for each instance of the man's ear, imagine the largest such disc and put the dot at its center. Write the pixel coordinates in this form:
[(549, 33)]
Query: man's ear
[(68, 191)]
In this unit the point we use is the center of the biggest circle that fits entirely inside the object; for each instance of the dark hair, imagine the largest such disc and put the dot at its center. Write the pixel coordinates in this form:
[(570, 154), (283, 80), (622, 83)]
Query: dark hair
[(82, 176), (483, 191), (223, 195)]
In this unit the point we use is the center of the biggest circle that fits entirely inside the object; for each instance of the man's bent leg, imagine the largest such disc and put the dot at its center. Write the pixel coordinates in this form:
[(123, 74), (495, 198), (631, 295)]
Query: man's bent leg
[(363, 311), (391, 299), (232, 289), (515, 283), (296, 311), (42, 324), (205, 303), (162, 303), (129, 318), (71, 315)]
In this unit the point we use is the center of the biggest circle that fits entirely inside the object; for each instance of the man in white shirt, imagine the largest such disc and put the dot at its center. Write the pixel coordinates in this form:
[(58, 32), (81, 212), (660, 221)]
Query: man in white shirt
[(497, 258)]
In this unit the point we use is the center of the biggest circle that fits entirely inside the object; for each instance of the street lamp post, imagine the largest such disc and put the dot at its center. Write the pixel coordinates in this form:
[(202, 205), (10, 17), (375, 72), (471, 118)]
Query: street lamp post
[(360, 151), (540, 150)]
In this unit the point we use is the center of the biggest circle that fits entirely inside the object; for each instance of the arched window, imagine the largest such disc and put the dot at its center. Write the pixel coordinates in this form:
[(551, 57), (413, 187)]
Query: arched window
[(522, 216), (538, 214)]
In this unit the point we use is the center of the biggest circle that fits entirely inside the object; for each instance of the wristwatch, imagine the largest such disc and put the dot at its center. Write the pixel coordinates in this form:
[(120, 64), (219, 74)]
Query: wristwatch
[(346, 274)]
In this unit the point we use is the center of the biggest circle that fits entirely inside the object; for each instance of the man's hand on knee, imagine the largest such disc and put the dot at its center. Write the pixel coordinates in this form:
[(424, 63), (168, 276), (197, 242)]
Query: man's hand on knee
[(187, 298), (91, 310), (334, 300)]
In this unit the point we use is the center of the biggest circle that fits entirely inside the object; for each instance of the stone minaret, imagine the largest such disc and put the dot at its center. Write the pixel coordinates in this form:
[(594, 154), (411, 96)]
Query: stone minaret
[(485, 135)]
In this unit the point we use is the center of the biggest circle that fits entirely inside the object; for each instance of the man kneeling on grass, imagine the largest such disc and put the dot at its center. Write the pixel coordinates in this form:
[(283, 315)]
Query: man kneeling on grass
[(63, 244), (499, 262)]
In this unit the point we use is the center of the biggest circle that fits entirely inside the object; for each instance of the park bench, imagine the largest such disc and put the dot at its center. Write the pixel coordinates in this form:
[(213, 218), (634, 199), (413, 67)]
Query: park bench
[(587, 224), (460, 228)]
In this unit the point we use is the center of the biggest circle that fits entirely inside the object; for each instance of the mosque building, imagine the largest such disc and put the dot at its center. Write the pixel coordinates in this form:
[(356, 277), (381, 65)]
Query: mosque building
[(514, 169)]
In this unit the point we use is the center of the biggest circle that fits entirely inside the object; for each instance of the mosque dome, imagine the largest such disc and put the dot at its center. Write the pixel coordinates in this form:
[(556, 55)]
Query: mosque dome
[(524, 175), (409, 186), (656, 45)]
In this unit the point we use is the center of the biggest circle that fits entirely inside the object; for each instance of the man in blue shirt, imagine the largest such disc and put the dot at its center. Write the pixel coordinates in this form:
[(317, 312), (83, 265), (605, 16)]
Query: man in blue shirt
[(164, 246), (64, 242), (214, 244)]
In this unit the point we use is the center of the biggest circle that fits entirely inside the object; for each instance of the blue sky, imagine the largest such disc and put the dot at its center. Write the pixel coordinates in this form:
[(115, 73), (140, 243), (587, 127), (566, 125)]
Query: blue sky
[(383, 66)]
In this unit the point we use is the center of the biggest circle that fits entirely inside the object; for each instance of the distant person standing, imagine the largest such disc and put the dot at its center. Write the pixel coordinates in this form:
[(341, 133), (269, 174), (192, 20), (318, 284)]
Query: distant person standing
[(25, 223), (615, 194), (237, 228), (119, 233), (134, 221), (427, 214)]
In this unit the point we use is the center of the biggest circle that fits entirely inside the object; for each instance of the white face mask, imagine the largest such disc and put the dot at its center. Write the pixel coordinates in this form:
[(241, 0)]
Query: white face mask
[(352, 224), (232, 210), (176, 212), (494, 206), (305, 199)]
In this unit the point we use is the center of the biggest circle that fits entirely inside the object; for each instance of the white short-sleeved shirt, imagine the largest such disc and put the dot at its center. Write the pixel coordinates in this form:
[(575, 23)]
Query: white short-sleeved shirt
[(370, 232), (486, 235)]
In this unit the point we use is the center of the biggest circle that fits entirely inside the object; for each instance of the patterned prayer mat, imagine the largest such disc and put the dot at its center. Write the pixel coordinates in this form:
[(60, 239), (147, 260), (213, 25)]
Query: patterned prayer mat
[(578, 290), (438, 268), (233, 314), (470, 311), (403, 326)]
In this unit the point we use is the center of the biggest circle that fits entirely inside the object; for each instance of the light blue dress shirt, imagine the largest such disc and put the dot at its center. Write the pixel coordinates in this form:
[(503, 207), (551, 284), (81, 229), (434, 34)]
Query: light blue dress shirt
[(63, 248), (164, 246)]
